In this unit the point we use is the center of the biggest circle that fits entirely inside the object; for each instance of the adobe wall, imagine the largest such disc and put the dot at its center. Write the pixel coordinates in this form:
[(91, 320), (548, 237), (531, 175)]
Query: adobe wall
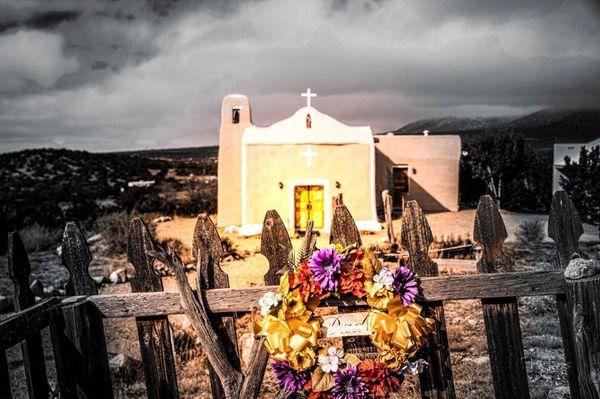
[(268, 165), (433, 168), (230, 159)]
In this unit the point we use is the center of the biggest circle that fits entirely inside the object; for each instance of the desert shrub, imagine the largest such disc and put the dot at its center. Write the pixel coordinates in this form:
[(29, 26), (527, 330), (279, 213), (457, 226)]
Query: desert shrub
[(530, 232), (452, 241), (184, 252), (38, 238), (230, 249), (580, 180), (113, 227), (504, 166)]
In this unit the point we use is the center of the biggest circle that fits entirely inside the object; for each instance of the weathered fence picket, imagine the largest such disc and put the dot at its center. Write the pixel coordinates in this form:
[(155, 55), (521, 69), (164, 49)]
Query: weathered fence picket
[(78, 332), (276, 246), (32, 348), (436, 380), (501, 315), (208, 250), (583, 301), (5, 391), (565, 228), (154, 332)]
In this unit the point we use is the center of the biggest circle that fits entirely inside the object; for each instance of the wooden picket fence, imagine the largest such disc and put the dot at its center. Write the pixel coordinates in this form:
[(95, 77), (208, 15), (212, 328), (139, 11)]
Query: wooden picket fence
[(79, 346)]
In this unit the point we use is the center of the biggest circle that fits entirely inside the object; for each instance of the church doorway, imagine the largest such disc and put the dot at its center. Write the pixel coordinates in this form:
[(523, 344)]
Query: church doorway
[(309, 204), (400, 185)]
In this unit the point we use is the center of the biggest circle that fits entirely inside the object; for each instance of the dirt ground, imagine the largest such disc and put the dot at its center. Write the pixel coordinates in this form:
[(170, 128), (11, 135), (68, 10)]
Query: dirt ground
[(470, 362)]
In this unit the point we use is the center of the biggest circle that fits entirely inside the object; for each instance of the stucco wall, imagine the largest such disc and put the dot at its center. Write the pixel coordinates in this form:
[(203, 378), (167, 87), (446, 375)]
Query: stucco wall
[(267, 165), (433, 168), (230, 159)]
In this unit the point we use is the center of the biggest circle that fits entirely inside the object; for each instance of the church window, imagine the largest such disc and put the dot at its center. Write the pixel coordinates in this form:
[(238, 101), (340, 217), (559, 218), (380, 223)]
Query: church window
[(308, 121), (235, 115)]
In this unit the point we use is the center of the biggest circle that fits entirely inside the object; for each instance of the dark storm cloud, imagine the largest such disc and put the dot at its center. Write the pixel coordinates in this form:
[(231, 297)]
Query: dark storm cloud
[(116, 75)]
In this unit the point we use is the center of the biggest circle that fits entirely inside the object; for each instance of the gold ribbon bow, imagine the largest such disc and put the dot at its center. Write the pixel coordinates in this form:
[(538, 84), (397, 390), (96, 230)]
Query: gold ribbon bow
[(292, 340), (402, 330)]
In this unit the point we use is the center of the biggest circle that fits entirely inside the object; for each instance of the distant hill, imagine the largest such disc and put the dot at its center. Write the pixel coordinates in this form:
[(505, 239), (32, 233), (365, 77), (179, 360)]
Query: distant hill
[(453, 124), (542, 128), (188, 153)]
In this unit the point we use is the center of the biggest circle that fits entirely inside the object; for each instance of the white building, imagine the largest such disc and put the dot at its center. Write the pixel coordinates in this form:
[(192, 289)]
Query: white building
[(571, 150)]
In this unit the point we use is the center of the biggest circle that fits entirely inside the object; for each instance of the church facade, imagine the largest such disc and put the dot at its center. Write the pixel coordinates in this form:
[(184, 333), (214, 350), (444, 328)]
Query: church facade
[(299, 164)]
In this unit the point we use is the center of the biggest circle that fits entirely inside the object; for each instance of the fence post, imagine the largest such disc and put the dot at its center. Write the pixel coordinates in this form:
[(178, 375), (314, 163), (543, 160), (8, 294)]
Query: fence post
[(387, 211), (5, 391), (345, 233), (208, 250), (501, 316), (153, 332), (78, 333), (32, 347), (436, 381), (276, 246), (583, 301), (565, 228)]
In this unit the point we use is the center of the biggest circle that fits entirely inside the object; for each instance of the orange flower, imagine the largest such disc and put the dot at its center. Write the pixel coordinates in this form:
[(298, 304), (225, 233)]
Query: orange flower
[(302, 279), (352, 280), (380, 380)]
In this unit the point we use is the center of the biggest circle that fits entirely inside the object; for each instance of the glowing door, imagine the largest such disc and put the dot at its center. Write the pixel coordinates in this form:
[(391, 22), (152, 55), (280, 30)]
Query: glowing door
[(309, 205)]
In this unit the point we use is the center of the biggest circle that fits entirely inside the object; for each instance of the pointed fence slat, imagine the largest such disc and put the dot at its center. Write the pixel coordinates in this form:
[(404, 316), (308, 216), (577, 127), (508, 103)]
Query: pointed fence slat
[(77, 330), (436, 381), (154, 333), (208, 250), (276, 246), (5, 391), (345, 233), (565, 228), (501, 316), (32, 347)]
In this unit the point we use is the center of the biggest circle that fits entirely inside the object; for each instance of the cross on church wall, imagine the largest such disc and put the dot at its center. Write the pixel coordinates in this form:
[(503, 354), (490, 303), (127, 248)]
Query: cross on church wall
[(308, 94), (309, 154)]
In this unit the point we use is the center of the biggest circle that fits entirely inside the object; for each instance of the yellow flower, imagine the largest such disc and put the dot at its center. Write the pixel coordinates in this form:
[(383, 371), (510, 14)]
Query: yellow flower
[(371, 264), (378, 298), (292, 305), (284, 284), (392, 358), (301, 360)]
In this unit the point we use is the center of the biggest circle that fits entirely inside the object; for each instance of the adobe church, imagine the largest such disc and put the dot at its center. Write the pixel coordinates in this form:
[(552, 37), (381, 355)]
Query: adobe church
[(299, 164)]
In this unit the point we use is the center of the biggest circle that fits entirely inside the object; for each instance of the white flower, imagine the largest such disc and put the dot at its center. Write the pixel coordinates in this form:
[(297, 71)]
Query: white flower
[(415, 367), (330, 362), (385, 278), (268, 300)]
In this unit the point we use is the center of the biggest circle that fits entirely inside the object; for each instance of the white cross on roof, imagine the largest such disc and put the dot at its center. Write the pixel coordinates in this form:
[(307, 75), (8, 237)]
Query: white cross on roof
[(308, 96)]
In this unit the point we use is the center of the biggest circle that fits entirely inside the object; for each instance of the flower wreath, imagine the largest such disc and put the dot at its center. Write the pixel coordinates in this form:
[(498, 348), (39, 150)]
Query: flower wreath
[(291, 330)]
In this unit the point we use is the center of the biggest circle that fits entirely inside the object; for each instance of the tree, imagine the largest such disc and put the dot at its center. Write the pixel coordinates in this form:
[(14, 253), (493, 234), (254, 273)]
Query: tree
[(580, 179), (504, 166)]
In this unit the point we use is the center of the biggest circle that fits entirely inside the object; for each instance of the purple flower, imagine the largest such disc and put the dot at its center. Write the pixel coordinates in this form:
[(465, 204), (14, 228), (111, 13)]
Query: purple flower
[(347, 385), (405, 285), (325, 266), (291, 379)]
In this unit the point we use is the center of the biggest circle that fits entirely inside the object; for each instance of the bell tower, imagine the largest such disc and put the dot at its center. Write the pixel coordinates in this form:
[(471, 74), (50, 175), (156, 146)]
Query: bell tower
[(235, 117)]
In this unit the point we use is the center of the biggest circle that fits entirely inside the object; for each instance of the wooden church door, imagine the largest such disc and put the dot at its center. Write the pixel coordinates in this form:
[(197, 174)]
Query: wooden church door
[(309, 205)]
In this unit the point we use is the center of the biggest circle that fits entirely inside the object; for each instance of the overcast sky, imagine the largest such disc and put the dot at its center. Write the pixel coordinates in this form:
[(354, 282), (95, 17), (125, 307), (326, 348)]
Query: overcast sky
[(116, 75)]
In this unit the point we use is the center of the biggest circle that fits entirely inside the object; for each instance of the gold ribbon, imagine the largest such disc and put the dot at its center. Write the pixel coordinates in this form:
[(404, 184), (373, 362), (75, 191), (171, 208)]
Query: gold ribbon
[(401, 330), (290, 339)]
